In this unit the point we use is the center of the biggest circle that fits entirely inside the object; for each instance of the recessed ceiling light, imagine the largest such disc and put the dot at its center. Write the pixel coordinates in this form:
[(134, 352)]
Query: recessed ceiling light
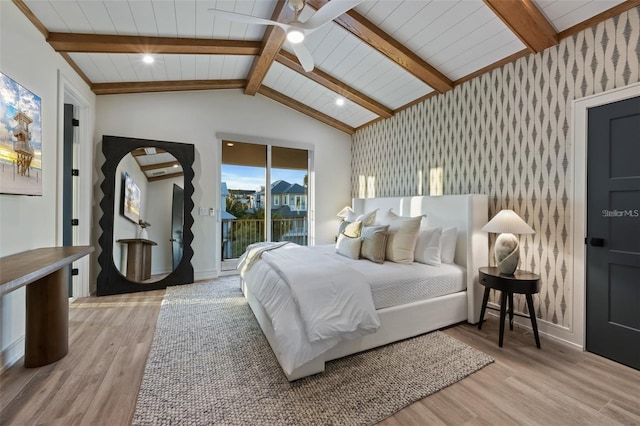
[(340, 101), (229, 143), (147, 59), (175, 165)]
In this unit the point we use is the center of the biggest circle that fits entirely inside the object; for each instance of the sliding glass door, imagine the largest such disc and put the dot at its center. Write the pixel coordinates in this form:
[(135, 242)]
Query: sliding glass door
[(253, 211), (289, 195)]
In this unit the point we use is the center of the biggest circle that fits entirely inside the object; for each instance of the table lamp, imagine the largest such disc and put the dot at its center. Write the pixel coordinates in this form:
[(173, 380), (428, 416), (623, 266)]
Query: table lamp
[(507, 249)]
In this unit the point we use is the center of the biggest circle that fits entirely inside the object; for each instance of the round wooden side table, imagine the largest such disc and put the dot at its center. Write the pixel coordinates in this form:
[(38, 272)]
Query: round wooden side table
[(521, 282)]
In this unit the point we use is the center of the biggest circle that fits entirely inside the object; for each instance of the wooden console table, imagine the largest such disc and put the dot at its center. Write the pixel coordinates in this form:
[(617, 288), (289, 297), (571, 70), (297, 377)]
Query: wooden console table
[(47, 300), (138, 258)]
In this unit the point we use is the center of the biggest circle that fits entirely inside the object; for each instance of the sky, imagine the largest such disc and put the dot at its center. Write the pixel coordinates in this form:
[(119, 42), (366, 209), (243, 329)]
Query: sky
[(14, 97), (251, 178)]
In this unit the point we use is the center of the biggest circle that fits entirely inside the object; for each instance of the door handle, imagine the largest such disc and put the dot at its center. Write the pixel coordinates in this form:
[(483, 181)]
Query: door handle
[(597, 242)]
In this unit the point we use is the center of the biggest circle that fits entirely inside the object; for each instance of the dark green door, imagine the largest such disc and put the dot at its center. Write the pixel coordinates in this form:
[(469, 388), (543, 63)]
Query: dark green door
[(613, 232)]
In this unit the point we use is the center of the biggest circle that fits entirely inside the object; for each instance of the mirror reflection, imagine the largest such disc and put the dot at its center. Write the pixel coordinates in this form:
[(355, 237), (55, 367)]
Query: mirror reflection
[(148, 216)]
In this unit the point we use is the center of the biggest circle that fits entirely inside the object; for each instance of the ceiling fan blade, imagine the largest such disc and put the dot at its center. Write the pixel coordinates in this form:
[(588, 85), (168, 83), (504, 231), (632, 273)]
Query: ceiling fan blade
[(328, 13), (247, 19), (304, 56)]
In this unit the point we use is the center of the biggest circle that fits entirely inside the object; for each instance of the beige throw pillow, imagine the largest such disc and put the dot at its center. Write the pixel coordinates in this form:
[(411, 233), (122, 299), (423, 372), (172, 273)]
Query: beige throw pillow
[(374, 243), (401, 242), (350, 229)]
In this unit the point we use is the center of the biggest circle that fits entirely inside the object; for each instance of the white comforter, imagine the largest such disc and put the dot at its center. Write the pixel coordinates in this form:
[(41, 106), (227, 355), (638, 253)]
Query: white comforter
[(313, 300)]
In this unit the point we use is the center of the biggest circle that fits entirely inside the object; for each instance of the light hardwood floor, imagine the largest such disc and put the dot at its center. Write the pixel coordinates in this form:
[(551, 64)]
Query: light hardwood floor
[(97, 383)]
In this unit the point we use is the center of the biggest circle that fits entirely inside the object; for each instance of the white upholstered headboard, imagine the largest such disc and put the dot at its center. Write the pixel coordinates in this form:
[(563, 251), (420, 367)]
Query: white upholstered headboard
[(468, 213)]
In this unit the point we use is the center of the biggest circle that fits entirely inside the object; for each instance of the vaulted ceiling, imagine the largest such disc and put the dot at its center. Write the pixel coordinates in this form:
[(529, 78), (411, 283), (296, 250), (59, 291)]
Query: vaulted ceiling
[(380, 57)]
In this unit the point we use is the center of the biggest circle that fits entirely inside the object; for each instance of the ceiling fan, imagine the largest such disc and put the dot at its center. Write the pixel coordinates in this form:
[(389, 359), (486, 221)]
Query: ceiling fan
[(296, 30)]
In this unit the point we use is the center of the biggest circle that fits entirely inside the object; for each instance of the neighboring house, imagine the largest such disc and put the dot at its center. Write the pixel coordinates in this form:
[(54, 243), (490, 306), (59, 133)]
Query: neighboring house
[(288, 211), (283, 193)]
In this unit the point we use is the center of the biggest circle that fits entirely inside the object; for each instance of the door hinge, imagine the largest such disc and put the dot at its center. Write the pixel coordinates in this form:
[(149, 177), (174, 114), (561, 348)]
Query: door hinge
[(75, 172), (74, 271), (74, 222), (75, 122)]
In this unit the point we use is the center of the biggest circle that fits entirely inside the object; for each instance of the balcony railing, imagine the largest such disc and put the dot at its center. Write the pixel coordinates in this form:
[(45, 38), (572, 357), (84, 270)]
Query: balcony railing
[(237, 234)]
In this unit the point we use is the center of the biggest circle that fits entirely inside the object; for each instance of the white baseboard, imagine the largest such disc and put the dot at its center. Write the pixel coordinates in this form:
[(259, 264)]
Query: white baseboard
[(548, 330), (205, 275), (11, 354)]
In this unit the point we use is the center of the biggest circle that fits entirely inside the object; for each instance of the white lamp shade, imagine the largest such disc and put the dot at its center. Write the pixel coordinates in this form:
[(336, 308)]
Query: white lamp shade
[(345, 212), (507, 221)]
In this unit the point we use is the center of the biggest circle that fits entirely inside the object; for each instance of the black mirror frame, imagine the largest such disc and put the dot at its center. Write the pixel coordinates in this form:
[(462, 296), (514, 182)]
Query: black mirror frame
[(110, 280)]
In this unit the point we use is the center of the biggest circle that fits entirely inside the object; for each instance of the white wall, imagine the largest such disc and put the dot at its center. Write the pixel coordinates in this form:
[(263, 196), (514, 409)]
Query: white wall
[(196, 118), (31, 222)]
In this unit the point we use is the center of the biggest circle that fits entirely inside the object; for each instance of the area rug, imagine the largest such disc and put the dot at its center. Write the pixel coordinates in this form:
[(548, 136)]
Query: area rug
[(210, 364)]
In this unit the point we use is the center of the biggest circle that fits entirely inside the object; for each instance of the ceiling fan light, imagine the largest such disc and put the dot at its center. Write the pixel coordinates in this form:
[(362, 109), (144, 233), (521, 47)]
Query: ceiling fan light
[(295, 36)]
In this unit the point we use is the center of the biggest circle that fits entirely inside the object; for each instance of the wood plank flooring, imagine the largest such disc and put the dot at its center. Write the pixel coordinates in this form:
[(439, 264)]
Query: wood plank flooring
[(110, 337)]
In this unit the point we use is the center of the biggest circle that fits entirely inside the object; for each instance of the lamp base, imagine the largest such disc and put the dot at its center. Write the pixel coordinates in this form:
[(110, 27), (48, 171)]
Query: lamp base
[(507, 253)]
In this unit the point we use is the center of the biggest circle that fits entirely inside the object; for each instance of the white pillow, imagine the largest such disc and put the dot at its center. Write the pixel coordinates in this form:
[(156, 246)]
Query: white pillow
[(401, 241), (390, 216), (428, 246), (448, 244), (367, 219), (349, 247)]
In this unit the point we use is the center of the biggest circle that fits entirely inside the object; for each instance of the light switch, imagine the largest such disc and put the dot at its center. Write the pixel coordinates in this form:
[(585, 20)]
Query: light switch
[(203, 211)]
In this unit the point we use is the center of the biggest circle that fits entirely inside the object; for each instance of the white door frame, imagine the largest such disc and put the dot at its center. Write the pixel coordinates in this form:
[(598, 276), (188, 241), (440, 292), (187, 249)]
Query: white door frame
[(577, 330), (83, 195)]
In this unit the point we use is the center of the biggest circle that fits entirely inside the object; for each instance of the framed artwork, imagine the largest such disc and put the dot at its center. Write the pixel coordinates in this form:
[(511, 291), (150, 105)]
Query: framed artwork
[(131, 199), (20, 139)]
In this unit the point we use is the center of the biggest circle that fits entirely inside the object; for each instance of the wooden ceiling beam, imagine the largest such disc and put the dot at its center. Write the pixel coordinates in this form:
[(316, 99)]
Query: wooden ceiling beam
[(366, 31), (140, 152), (165, 86), (101, 43), (289, 60), (271, 44), (527, 22), (159, 166), (304, 109), (162, 177)]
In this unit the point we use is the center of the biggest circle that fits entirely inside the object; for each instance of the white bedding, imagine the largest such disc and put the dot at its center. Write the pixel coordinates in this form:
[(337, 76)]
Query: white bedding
[(312, 305), (390, 284), (394, 284)]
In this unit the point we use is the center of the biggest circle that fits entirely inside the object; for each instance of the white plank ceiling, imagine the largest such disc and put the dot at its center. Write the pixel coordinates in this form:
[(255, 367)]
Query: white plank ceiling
[(456, 37)]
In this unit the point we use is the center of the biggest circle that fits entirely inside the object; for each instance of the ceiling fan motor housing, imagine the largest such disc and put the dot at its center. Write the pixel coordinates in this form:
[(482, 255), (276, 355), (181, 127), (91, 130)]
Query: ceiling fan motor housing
[(297, 5)]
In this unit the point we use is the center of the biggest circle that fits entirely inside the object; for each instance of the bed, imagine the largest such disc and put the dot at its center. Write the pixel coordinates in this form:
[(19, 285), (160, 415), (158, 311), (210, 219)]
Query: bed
[(457, 300)]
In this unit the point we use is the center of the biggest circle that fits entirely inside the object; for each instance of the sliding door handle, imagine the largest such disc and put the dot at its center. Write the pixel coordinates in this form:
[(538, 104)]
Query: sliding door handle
[(597, 242)]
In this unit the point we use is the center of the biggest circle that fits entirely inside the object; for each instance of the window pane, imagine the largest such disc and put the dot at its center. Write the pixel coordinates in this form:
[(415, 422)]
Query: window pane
[(289, 173)]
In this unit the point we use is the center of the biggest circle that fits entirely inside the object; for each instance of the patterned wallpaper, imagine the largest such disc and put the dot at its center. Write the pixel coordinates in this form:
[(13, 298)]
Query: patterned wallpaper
[(507, 134)]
